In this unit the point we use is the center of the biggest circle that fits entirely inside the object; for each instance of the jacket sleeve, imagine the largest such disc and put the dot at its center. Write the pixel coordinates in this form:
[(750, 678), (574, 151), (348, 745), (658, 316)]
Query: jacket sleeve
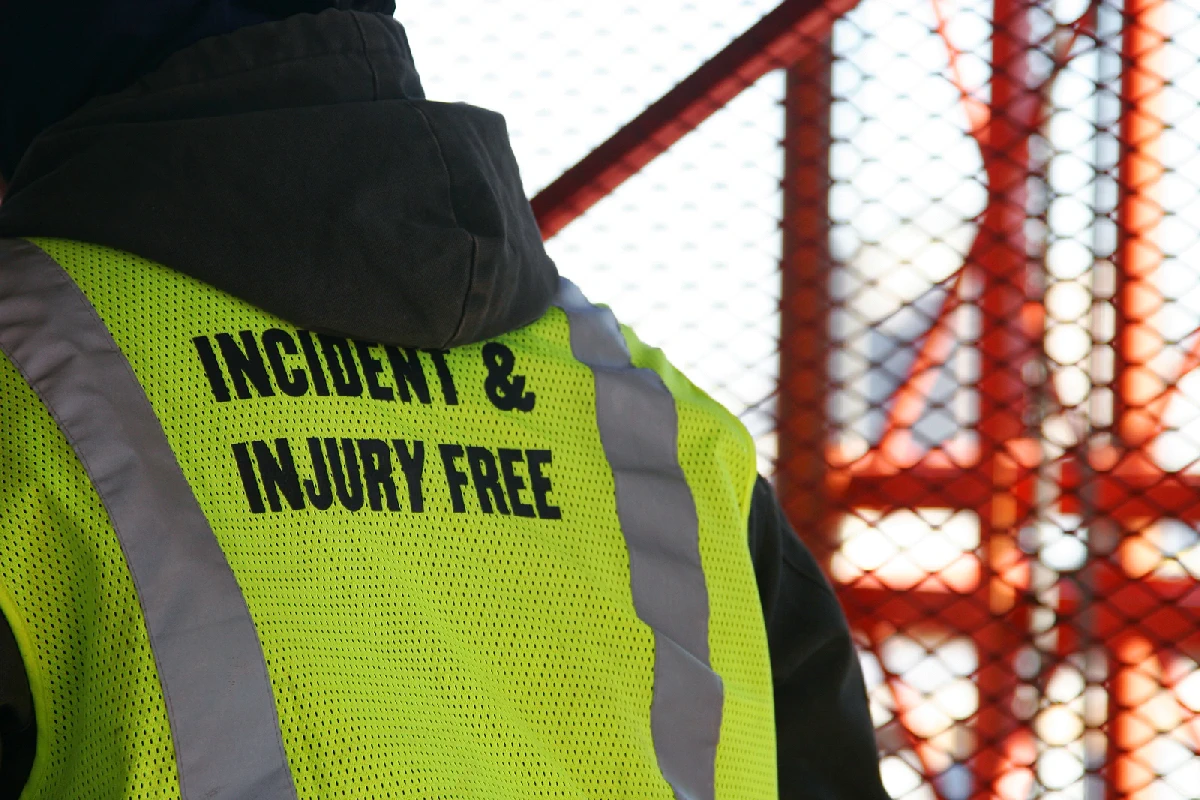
[(18, 734), (823, 729)]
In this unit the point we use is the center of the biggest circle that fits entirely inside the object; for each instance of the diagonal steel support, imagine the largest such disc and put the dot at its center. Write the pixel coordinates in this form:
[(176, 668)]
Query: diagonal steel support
[(777, 40)]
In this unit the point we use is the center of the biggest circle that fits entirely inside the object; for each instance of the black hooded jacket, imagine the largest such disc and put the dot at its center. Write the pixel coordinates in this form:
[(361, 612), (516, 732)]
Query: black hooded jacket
[(297, 165)]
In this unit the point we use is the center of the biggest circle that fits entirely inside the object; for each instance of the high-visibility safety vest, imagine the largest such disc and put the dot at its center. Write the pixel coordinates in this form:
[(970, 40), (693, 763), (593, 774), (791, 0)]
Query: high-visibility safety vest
[(244, 560)]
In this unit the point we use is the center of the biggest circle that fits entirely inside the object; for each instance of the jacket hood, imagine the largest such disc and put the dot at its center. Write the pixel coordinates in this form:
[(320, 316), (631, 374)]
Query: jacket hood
[(298, 166)]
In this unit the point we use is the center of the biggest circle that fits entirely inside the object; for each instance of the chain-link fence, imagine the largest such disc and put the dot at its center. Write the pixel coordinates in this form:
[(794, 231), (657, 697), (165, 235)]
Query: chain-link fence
[(943, 257)]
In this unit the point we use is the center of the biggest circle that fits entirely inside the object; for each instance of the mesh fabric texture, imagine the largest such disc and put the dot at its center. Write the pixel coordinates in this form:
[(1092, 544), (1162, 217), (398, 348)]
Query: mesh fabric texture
[(716, 453), (431, 655), (64, 588)]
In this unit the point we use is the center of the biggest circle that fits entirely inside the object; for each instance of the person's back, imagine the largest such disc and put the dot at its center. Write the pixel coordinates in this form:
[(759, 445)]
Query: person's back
[(318, 481)]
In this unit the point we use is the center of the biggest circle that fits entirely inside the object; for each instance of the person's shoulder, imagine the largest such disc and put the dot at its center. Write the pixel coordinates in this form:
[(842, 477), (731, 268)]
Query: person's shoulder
[(18, 728)]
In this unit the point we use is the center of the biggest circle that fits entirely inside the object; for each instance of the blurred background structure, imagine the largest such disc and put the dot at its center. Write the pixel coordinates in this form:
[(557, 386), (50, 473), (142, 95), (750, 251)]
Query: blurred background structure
[(942, 257)]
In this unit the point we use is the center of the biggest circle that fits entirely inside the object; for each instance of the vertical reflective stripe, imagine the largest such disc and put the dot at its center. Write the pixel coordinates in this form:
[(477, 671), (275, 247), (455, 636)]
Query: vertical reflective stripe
[(224, 724), (639, 429)]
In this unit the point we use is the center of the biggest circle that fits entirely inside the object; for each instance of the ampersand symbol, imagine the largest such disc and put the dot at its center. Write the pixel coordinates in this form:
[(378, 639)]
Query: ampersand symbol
[(505, 390)]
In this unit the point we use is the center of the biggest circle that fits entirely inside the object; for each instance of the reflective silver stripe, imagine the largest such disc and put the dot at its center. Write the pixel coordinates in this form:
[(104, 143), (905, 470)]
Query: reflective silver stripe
[(639, 429), (222, 713)]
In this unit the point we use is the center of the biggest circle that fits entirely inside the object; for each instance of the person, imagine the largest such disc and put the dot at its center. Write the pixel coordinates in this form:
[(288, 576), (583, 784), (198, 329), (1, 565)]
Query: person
[(317, 479)]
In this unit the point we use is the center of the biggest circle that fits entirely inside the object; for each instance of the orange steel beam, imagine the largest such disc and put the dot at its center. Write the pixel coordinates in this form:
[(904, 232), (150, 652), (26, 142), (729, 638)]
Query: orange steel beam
[(804, 303), (869, 607), (1164, 609), (911, 399), (778, 40), (1127, 491), (1138, 258), (976, 110), (1134, 683), (1138, 216), (1004, 347)]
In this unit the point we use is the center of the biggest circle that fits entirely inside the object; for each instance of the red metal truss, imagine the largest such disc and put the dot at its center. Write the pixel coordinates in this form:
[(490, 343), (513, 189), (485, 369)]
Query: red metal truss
[(1124, 485), (987, 595)]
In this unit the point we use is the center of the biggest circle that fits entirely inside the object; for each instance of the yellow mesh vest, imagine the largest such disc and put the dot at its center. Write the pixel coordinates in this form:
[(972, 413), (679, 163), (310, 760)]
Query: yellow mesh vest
[(437, 574)]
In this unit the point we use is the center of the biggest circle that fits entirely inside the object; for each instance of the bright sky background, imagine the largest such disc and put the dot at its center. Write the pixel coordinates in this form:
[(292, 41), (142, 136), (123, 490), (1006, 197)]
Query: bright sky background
[(686, 251)]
